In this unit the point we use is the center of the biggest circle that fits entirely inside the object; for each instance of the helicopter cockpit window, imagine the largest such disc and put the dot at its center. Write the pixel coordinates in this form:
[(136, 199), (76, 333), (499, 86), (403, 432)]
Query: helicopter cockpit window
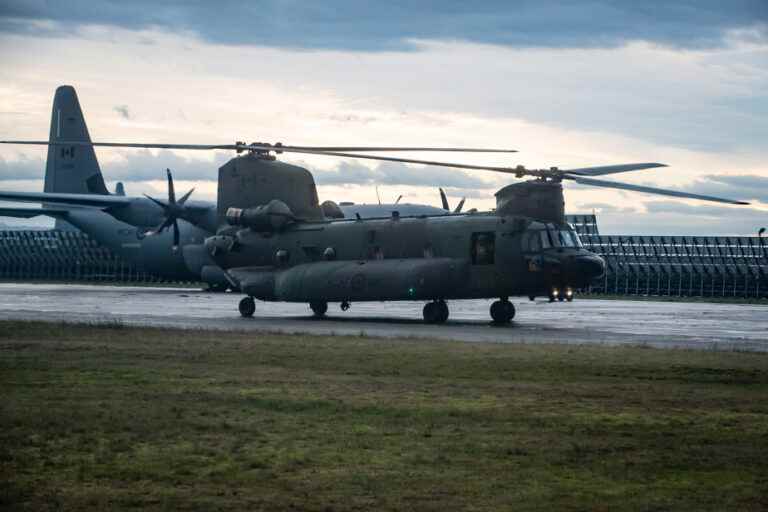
[(483, 248), (546, 239), (564, 237)]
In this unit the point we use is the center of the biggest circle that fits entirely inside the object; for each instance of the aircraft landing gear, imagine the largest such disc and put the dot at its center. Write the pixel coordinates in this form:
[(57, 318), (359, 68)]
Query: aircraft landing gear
[(319, 308), (502, 311), (344, 306), (247, 307), (435, 312)]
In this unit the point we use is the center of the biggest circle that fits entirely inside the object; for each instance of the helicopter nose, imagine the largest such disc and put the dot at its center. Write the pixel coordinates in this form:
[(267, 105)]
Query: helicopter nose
[(589, 267)]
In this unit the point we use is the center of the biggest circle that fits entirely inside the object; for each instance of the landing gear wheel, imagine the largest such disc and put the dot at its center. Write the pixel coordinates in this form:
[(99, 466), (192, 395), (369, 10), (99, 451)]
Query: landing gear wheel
[(569, 298), (561, 298), (502, 311), (443, 312), (319, 308), (435, 312), (531, 298), (247, 307)]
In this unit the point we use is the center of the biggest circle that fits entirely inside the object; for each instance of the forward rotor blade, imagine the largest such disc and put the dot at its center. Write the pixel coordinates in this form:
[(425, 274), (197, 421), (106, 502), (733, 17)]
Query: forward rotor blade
[(256, 146), (397, 201), (460, 205), (611, 169), (650, 190), (444, 200)]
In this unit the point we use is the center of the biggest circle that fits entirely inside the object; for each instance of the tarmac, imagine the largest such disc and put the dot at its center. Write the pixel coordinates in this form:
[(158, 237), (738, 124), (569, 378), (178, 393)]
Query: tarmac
[(661, 324)]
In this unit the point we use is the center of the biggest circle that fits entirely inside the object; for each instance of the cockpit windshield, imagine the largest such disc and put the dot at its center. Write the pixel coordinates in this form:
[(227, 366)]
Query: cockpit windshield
[(551, 236)]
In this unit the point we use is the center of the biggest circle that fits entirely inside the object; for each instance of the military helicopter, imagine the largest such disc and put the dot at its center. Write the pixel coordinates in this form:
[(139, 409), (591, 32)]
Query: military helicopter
[(276, 243)]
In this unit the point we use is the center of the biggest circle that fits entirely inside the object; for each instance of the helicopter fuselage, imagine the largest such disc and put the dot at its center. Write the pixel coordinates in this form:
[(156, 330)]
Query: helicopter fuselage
[(405, 258)]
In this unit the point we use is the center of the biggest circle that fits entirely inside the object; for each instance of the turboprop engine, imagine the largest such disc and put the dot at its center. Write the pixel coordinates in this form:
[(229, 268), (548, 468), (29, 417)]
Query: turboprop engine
[(269, 218)]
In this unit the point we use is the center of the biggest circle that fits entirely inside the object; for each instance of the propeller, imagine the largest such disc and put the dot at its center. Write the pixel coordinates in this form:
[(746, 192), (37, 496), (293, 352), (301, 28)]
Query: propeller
[(444, 201), (173, 210), (580, 175)]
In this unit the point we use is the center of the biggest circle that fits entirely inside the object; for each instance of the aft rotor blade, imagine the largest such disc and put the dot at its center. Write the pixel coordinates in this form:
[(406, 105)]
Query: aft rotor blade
[(460, 205), (256, 146), (612, 169), (650, 190), (444, 200)]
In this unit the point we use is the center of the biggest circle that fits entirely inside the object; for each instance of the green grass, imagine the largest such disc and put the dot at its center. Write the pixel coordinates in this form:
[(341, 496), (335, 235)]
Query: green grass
[(112, 417)]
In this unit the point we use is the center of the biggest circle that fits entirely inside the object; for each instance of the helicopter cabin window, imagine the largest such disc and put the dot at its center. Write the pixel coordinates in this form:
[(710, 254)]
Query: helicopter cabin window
[(483, 248)]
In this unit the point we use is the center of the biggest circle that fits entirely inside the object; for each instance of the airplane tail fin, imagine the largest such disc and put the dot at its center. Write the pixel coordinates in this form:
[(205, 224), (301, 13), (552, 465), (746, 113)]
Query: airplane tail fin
[(71, 169)]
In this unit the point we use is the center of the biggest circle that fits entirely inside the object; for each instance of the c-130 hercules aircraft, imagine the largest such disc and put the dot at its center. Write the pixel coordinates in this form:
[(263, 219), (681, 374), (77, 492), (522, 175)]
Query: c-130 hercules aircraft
[(274, 242), (135, 227)]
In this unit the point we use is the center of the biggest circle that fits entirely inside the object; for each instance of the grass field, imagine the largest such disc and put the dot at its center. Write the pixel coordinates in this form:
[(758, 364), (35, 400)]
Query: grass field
[(115, 417)]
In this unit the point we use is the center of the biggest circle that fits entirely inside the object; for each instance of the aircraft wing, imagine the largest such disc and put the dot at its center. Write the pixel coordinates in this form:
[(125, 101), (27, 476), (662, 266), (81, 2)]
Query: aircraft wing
[(95, 200), (28, 213)]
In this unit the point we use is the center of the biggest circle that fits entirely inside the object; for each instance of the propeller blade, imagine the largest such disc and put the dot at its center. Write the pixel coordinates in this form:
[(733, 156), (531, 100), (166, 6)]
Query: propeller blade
[(175, 234), (460, 205), (157, 202), (444, 200), (171, 191), (185, 197), (257, 146), (159, 229), (611, 169), (650, 190)]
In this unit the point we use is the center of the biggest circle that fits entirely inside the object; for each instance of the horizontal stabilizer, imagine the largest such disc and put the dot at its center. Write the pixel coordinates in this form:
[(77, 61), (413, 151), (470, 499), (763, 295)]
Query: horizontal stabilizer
[(92, 200)]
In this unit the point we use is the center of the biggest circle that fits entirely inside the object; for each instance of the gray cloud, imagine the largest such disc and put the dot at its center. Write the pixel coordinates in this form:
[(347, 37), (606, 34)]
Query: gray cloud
[(123, 111), (143, 165), (674, 218), (745, 187), (378, 26)]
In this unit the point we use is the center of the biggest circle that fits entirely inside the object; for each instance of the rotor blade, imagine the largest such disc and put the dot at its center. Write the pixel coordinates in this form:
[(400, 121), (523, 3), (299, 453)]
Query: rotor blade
[(397, 201), (184, 198), (444, 200), (266, 147), (649, 190), (460, 205), (171, 191), (611, 169), (241, 146)]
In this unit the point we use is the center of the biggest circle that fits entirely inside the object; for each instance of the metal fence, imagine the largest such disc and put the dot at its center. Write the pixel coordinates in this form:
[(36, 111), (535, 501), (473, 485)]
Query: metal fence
[(686, 266), (59, 255)]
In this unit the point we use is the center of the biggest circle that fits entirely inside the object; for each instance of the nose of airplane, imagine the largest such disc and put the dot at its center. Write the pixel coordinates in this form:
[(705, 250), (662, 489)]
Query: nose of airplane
[(589, 267)]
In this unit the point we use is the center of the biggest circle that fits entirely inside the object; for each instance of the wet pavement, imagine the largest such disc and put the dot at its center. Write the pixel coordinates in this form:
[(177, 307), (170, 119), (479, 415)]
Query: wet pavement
[(697, 325)]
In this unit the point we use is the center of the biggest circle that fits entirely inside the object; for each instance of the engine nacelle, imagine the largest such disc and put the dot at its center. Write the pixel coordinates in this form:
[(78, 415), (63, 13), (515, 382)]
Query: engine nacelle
[(268, 218)]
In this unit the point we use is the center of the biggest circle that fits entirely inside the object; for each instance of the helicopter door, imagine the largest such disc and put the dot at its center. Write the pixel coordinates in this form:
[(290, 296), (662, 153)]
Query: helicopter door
[(483, 257), (483, 248)]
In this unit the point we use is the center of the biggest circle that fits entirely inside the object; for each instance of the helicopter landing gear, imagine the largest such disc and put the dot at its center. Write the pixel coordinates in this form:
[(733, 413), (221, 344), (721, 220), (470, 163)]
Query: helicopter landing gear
[(435, 312), (502, 311), (319, 308), (247, 307)]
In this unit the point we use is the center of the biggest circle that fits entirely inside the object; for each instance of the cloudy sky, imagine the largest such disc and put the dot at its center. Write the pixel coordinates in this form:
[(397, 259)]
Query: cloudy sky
[(566, 83)]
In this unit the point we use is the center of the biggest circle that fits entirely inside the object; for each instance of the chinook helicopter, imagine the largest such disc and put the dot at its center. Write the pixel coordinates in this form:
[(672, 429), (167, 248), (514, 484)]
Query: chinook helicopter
[(274, 241)]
